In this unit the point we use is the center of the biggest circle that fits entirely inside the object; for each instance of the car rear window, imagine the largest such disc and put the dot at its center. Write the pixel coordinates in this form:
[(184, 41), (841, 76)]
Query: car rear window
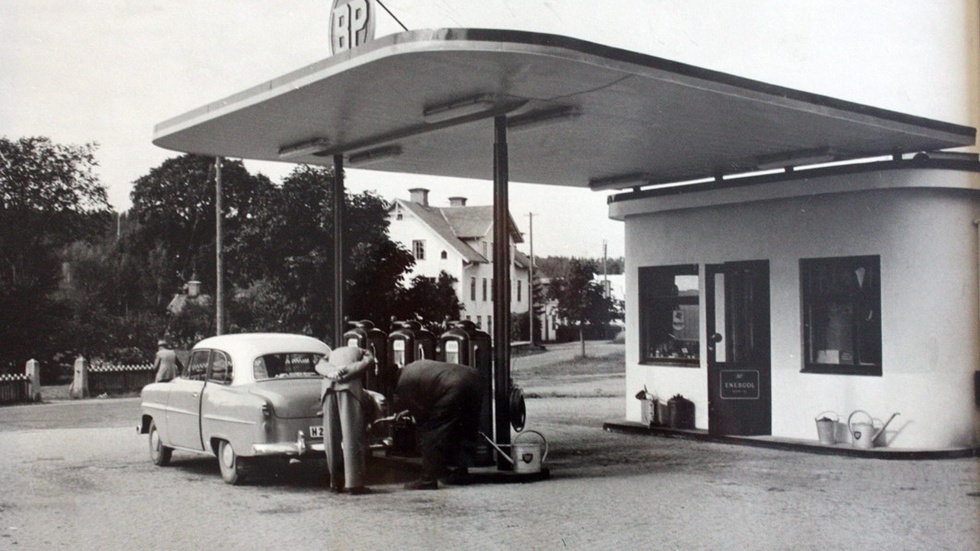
[(287, 364)]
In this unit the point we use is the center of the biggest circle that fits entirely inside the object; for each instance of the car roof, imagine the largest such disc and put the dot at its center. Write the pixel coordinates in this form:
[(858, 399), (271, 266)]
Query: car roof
[(245, 347)]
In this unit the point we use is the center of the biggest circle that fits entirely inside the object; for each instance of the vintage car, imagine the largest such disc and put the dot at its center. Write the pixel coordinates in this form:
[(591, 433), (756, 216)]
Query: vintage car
[(242, 398)]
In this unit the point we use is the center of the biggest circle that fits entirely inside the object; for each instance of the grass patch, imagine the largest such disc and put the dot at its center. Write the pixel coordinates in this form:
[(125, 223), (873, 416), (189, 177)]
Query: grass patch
[(610, 364)]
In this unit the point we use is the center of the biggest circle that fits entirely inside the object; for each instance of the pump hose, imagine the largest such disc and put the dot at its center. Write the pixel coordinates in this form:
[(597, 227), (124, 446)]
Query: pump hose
[(518, 409)]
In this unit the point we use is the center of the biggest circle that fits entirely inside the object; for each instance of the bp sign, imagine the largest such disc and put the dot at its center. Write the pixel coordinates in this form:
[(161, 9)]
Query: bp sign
[(351, 24)]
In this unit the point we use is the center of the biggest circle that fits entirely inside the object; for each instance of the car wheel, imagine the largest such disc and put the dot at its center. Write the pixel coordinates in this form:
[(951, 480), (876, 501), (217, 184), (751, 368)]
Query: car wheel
[(159, 454), (232, 466)]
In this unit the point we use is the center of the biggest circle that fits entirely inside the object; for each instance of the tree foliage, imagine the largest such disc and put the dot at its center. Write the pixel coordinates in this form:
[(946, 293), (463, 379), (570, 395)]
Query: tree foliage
[(580, 299), (49, 197)]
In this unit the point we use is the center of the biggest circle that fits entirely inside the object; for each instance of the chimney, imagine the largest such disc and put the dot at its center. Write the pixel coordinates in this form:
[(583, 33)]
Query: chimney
[(420, 196), (457, 201)]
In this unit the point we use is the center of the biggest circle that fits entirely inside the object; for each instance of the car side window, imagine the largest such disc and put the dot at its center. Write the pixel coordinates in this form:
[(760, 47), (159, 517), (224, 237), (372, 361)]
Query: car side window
[(197, 366), (220, 367)]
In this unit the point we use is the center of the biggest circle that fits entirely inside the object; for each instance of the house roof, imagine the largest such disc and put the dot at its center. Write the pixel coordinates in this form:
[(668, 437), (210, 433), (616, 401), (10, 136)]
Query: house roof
[(457, 224), (618, 118)]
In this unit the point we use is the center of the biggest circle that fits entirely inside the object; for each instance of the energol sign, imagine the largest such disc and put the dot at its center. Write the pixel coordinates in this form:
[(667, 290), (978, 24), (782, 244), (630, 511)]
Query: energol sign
[(351, 24)]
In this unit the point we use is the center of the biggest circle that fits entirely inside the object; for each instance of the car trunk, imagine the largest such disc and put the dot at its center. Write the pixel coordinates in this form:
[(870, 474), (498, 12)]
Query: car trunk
[(291, 398)]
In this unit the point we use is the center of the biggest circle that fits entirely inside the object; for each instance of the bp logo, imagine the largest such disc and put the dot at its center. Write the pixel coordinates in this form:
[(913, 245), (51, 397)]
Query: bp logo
[(527, 458), (351, 24)]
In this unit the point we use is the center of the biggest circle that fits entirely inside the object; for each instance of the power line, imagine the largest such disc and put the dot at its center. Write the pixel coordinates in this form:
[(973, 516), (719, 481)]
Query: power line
[(392, 15)]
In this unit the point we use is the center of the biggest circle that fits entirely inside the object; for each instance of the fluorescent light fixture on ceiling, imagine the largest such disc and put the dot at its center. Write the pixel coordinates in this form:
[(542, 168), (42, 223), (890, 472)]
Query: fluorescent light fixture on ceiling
[(542, 117), (459, 108), (795, 158), (621, 181), (374, 155), (302, 149)]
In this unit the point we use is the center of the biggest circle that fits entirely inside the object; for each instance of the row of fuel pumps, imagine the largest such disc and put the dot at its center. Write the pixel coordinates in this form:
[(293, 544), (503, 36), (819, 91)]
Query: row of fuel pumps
[(463, 343)]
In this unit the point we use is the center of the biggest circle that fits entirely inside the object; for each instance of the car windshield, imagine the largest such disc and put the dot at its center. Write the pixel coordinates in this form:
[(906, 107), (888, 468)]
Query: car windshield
[(286, 364)]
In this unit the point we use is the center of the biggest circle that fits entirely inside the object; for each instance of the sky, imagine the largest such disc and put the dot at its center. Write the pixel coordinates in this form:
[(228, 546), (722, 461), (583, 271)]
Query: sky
[(107, 71)]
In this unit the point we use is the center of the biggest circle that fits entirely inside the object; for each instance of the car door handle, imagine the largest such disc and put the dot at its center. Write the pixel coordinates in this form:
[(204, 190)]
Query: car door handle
[(195, 395)]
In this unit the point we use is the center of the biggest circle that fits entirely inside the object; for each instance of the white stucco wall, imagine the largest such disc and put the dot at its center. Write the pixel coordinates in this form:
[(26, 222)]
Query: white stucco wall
[(920, 223)]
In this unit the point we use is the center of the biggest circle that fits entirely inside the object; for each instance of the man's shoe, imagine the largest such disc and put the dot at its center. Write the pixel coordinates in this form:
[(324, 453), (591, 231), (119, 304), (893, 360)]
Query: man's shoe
[(359, 491), (422, 485)]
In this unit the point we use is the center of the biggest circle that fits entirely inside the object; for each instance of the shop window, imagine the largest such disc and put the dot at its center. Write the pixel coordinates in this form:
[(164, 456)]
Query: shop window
[(842, 315), (670, 315)]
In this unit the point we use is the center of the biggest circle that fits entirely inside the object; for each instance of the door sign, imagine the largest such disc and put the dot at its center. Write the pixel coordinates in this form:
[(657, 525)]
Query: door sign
[(739, 384)]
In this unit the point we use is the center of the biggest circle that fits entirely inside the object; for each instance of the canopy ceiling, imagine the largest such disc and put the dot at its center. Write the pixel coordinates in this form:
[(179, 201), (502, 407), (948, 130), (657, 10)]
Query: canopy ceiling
[(619, 116)]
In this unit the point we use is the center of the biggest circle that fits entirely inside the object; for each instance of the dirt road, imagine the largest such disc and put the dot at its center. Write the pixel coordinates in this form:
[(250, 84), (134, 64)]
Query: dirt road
[(95, 488)]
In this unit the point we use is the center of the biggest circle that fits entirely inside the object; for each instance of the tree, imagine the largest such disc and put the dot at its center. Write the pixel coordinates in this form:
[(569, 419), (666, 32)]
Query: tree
[(49, 197), (288, 249), (580, 299), (173, 207), (432, 302)]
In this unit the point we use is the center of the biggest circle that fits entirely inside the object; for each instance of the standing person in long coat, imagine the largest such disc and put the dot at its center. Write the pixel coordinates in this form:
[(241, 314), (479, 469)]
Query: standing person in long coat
[(343, 417), (445, 399)]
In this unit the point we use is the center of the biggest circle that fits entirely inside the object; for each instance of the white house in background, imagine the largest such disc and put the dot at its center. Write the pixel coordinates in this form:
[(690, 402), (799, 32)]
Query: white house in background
[(458, 239)]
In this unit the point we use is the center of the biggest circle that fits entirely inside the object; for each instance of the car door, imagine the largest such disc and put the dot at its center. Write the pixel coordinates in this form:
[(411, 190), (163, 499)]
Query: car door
[(184, 406), (219, 406)]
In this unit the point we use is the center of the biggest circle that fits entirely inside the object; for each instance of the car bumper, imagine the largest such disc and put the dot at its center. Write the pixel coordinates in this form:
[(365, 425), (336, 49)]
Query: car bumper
[(301, 446)]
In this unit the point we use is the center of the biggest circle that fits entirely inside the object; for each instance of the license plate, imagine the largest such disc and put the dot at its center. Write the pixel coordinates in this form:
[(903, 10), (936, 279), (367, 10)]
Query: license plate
[(316, 431)]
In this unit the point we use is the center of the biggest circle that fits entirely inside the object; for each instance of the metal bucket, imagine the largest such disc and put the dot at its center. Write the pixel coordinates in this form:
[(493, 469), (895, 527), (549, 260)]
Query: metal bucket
[(529, 456), (526, 457), (827, 427)]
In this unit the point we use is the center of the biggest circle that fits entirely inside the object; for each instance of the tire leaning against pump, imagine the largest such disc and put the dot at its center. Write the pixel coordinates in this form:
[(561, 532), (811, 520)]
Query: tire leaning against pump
[(159, 454), (232, 466)]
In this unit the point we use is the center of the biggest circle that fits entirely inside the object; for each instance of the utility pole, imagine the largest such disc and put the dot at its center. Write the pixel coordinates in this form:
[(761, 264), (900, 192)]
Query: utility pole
[(530, 279), (605, 275), (219, 292)]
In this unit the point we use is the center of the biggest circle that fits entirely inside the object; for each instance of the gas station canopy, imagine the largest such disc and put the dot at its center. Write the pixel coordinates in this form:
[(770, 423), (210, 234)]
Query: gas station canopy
[(578, 114)]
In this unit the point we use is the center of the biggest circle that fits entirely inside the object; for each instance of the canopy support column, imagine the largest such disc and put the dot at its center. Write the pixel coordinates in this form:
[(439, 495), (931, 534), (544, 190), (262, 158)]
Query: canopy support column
[(501, 283), (338, 250)]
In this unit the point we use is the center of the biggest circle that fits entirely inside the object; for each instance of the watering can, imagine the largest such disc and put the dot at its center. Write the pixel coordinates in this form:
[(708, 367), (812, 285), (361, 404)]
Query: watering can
[(527, 456), (864, 433)]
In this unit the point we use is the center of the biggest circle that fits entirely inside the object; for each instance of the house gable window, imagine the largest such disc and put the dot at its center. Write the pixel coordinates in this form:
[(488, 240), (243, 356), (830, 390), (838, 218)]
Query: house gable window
[(418, 249), (841, 300), (670, 329)]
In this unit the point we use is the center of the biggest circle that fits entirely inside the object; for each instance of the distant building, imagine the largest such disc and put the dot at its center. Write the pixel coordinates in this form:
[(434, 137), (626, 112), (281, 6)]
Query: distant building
[(458, 240)]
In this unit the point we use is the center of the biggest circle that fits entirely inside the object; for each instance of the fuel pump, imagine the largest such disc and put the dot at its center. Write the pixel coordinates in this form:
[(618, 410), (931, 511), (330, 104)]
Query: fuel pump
[(407, 342), (365, 335), (465, 344)]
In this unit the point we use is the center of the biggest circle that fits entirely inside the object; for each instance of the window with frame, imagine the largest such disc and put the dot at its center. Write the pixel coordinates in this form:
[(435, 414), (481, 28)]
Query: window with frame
[(220, 368), (197, 366), (484, 289), (841, 299), (473, 289), (284, 365), (418, 249), (670, 329)]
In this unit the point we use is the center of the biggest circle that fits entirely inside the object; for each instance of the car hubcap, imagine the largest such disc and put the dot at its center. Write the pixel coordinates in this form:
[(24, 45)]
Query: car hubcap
[(155, 441), (228, 456)]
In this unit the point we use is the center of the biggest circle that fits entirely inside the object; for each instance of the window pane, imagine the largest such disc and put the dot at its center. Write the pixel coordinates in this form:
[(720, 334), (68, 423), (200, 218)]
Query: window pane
[(670, 315), (197, 366), (841, 315), (290, 364), (220, 367)]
